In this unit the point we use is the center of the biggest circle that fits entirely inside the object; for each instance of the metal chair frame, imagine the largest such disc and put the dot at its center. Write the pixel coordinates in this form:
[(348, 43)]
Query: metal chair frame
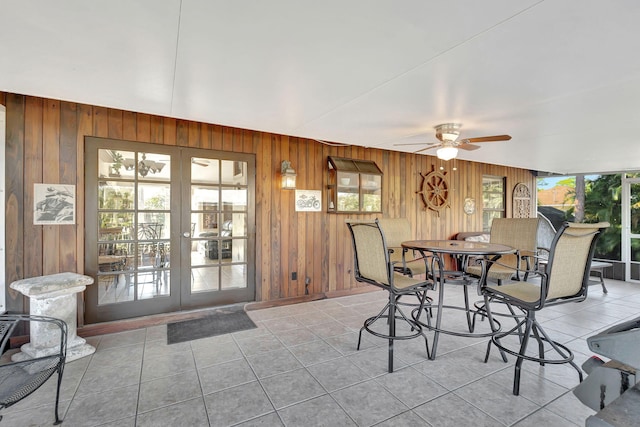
[(521, 295), (380, 272), (21, 378)]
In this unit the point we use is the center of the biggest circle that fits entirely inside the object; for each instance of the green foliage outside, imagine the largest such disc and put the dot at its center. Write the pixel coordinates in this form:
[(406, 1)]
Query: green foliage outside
[(603, 202)]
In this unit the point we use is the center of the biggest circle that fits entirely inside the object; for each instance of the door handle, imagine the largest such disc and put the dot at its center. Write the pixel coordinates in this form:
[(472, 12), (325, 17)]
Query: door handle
[(186, 234)]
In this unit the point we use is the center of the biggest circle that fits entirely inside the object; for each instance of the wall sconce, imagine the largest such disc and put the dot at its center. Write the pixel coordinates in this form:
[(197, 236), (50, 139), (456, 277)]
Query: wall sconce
[(288, 176)]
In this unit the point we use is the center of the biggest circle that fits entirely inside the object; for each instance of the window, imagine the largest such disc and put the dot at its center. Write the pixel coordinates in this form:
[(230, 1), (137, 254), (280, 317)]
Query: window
[(493, 200), (354, 186)]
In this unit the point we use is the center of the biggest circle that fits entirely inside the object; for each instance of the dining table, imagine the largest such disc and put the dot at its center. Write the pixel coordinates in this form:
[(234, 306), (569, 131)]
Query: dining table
[(458, 250)]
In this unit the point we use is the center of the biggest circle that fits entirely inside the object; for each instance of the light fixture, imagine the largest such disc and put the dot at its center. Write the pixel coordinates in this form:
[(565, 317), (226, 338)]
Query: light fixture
[(448, 132), (144, 166), (447, 152), (288, 176)]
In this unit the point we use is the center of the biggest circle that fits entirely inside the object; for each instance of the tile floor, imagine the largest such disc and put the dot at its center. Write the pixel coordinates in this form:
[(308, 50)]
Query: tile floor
[(300, 367)]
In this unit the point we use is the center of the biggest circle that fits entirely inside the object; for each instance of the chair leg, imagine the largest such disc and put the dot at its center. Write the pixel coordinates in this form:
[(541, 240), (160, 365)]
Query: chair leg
[(520, 359), (370, 321), (536, 334), (492, 324), (57, 413), (560, 351), (392, 328), (470, 322)]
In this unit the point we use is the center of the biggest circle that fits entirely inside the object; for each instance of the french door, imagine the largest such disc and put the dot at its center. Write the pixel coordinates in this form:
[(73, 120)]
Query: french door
[(166, 228), (631, 227)]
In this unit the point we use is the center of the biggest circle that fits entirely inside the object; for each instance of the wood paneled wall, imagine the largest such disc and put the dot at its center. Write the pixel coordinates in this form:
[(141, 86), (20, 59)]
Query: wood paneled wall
[(45, 140)]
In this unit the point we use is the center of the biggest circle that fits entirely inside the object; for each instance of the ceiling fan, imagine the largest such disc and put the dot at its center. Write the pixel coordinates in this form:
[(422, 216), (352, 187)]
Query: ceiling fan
[(449, 143)]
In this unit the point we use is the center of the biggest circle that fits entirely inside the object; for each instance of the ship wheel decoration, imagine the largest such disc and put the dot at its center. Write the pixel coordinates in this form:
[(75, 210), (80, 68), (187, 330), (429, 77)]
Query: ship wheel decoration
[(434, 190)]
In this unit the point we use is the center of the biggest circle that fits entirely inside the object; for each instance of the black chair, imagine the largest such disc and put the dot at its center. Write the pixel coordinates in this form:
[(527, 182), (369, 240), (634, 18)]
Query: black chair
[(565, 280), (211, 248), (373, 266), (19, 379)]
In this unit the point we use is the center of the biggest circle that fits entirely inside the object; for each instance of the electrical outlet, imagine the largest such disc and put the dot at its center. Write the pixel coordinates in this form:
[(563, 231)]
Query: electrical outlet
[(294, 275)]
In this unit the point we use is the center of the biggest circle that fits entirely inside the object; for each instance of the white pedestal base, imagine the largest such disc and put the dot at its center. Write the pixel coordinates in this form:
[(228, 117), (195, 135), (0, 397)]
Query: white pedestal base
[(54, 296)]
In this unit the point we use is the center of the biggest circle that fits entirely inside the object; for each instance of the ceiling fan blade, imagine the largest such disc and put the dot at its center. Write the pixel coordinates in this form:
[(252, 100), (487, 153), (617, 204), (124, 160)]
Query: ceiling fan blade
[(427, 148), (409, 143), (488, 138), (468, 147)]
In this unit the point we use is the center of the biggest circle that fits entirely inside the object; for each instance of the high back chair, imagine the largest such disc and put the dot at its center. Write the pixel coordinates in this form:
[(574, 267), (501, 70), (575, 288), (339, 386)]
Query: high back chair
[(396, 231), (373, 265), (566, 279), (520, 234)]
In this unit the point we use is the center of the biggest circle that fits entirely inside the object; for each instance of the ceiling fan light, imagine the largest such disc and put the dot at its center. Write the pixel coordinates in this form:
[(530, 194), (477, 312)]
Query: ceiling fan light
[(447, 153)]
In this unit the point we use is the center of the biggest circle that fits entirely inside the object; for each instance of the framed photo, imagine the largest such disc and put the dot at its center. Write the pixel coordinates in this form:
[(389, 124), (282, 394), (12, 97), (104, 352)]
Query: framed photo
[(308, 200), (210, 220), (54, 204)]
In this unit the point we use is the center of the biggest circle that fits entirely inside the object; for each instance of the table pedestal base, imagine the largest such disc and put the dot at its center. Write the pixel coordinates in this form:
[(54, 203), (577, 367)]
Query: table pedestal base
[(53, 296)]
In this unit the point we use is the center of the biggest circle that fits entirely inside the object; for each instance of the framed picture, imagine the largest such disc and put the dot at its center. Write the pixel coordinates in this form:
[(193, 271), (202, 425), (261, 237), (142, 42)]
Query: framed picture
[(54, 204), (308, 200), (209, 220)]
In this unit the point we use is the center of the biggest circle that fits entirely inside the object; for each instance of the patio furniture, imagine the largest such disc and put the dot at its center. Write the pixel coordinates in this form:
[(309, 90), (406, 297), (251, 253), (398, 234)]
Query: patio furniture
[(565, 280), (53, 295), (373, 265), (214, 247), (597, 270), (454, 248), (518, 233), (396, 231), (19, 379)]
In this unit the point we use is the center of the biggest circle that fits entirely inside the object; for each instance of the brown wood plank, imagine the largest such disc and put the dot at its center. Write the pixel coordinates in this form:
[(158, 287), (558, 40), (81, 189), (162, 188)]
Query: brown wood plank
[(68, 167), (100, 122), (129, 126), (195, 140), (85, 114), (51, 175), (156, 130), (182, 133), (169, 131), (264, 230), (116, 122), (216, 141), (32, 174), (143, 128), (15, 193)]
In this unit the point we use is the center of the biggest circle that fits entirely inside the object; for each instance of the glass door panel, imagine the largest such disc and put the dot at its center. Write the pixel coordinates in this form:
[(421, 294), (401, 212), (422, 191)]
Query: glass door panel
[(219, 199)]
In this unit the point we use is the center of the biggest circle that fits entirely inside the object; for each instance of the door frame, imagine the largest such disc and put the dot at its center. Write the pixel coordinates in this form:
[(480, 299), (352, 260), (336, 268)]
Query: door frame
[(179, 222), (627, 235)]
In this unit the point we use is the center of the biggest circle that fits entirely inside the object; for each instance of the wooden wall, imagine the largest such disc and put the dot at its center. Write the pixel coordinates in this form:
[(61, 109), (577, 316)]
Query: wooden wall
[(45, 137)]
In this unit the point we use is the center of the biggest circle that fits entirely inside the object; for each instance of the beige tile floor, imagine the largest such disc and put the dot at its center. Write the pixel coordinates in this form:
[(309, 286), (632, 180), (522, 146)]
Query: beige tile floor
[(300, 367)]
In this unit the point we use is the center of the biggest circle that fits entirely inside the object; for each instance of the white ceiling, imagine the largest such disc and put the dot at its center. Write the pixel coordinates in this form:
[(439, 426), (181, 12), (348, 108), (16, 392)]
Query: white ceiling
[(561, 77)]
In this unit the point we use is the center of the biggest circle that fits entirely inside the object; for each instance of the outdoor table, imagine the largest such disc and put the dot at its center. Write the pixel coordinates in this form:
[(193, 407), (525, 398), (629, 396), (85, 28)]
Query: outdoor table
[(455, 248)]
